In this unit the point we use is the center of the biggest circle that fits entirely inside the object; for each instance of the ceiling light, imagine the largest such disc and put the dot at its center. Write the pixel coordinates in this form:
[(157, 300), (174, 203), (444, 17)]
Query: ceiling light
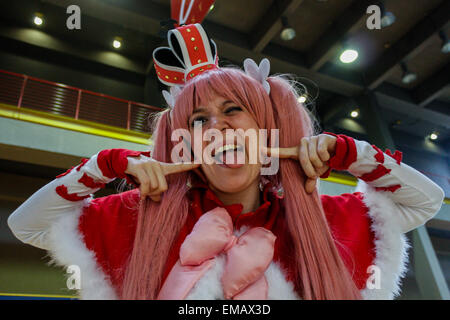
[(445, 42), (38, 19), (387, 17), (354, 113), (434, 135), (117, 43), (407, 77), (348, 56), (302, 99), (288, 33), (212, 7)]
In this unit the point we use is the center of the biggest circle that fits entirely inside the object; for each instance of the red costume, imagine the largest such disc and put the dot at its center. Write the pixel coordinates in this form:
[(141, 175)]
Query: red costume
[(98, 234)]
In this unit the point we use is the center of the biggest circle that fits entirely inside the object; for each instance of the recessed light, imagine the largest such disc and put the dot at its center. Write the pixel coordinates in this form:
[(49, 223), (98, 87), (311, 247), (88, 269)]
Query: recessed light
[(287, 33), (445, 42), (301, 99), (354, 113), (407, 77), (387, 19), (117, 43), (38, 19), (348, 56), (434, 136)]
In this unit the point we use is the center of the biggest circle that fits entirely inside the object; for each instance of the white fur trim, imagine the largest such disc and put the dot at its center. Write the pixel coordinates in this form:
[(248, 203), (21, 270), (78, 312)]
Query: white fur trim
[(279, 288), (391, 245), (67, 248), (209, 287)]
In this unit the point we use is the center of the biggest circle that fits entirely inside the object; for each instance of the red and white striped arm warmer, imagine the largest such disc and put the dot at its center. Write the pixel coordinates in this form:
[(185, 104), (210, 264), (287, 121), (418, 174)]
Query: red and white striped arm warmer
[(416, 197), (68, 194)]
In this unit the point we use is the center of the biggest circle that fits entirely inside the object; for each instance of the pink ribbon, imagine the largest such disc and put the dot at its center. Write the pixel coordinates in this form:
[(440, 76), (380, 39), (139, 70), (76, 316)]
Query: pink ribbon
[(247, 258)]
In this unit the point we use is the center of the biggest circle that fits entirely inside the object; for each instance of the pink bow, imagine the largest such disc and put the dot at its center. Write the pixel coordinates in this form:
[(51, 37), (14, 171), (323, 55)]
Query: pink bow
[(247, 258)]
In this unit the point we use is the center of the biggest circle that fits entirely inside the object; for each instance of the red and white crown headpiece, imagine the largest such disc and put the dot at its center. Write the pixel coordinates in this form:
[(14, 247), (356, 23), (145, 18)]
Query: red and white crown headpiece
[(190, 53)]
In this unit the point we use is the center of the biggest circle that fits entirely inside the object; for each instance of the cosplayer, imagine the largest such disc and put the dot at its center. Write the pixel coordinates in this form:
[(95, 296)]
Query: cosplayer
[(223, 230)]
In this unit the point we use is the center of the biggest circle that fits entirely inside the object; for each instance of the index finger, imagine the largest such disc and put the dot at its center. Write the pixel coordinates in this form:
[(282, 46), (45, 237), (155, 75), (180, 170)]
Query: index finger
[(169, 168), (283, 153)]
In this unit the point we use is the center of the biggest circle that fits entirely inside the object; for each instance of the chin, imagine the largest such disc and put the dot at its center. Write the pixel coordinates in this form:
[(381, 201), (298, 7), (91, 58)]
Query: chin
[(231, 180)]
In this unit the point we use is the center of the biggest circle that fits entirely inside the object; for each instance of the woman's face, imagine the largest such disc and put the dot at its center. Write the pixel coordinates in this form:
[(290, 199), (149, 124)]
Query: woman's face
[(231, 170)]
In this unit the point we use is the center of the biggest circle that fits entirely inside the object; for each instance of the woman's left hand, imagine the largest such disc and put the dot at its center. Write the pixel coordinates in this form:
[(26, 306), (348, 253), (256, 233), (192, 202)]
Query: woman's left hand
[(312, 153)]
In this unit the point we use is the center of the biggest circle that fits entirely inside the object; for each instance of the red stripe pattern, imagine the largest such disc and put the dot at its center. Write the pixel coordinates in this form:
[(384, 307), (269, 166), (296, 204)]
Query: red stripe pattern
[(346, 154), (379, 156), (375, 174), (83, 162), (63, 193), (381, 170), (90, 183), (65, 173), (390, 189), (398, 155)]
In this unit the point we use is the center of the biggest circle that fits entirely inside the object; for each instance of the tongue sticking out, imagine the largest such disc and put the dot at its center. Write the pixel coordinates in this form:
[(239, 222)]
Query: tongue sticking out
[(232, 159)]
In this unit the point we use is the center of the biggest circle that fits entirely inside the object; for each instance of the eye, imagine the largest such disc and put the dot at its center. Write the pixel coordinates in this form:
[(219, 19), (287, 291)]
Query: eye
[(233, 108), (197, 121)]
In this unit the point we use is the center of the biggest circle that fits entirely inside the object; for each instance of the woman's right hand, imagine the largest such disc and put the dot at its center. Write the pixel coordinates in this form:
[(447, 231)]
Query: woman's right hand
[(151, 174)]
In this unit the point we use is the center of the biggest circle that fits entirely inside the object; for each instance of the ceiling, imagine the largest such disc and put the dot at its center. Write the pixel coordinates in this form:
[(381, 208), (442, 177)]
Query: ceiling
[(251, 28)]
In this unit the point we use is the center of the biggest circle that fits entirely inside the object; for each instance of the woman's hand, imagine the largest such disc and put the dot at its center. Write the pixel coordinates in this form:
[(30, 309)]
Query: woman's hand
[(312, 153), (151, 174)]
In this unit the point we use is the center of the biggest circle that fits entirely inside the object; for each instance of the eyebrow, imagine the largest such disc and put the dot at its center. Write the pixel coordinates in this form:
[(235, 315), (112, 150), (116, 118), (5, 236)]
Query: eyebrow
[(198, 110), (227, 102)]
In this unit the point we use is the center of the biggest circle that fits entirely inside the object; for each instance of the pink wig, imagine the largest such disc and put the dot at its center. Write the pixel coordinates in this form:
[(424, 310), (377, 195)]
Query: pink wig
[(319, 270)]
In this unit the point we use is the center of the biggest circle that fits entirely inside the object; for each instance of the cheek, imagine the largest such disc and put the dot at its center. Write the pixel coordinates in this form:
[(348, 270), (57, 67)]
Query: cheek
[(246, 122)]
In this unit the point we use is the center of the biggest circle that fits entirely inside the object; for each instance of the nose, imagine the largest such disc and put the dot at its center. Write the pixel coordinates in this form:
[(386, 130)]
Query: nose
[(219, 122)]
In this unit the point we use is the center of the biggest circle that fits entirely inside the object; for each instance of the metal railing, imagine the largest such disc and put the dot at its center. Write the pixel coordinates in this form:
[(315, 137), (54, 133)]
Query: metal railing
[(28, 92)]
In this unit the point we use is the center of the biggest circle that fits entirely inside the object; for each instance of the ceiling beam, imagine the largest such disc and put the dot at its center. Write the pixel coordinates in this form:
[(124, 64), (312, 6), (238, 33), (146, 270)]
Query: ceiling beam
[(141, 16), (41, 45), (270, 24), (432, 87), (408, 46), (326, 46), (234, 46), (389, 102), (283, 63)]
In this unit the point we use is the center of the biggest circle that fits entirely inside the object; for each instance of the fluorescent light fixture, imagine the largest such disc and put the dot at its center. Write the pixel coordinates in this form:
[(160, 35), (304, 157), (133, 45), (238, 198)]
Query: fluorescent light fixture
[(348, 56)]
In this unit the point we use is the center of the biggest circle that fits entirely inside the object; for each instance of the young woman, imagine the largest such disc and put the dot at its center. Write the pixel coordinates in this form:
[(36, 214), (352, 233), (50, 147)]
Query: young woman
[(223, 231)]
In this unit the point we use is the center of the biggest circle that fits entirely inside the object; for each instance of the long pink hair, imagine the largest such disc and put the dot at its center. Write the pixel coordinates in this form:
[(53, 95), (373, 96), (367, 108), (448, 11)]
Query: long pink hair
[(319, 271)]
